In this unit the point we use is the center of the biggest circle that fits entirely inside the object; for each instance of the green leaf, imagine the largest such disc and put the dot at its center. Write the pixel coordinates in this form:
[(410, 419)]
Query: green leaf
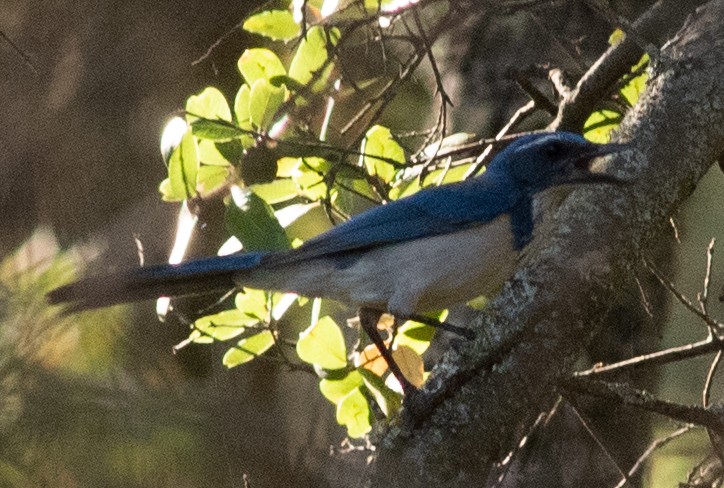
[(353, 412), (252, 303), (309, 177), (167, 192), (264, 100), (599, 125), (415, 335), (211, 177), (280, 190), (379, 142), (259, 63), (241, 106), (388, 400), (224, 325), (312, 55), (209, 154), (215, 130), (209, 104), (255, 225), (632, 90), (248, 348), (183, 167), (335, 390), (323, 344), (277, 25), (616, 36)]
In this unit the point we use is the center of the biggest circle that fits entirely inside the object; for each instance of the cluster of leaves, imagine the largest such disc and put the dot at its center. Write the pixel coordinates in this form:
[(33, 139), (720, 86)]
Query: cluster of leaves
[(273, 165), (225, 148)]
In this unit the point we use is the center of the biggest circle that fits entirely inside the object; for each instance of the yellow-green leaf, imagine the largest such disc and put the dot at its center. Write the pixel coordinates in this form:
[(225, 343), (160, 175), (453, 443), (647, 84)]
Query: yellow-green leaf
[(209, 104), (599, 125), (224, 325), (211, 177), (264, 100), (183, 167), (279, 190), (312, 54), (335, 390), (379, 142), (252, 302), (209, 154), (259, 63), (241, 105), (415, 335), (278, 25), (353, 412), (248, 348), (323, 344)]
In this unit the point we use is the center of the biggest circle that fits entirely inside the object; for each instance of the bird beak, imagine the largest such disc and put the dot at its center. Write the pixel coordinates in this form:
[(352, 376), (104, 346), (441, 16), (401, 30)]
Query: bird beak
[(581, 173)]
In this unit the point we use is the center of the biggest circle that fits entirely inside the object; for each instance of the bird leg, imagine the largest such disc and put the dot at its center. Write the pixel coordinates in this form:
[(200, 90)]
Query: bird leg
[(368, 318)]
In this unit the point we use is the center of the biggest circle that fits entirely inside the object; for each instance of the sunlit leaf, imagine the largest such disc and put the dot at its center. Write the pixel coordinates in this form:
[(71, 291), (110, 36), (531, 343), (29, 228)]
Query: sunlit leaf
[(280, 190), (378, 141), (209, 154), (388, 400), (215, 130), (224, 325), (309, 177), (599, 125), (211, 177), (241, 105), (632, 90), (415, 335), (264, 100), (183, 167), (252, 302), (353, 412), (255, 225), (259, 63), (323, 344), (248, 348), (278, 25), (312, 54), (209, 104), (335, 390), (616, 36)]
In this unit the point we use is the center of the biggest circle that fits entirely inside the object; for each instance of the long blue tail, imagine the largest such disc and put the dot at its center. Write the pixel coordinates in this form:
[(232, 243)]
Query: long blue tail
[(215, 274)]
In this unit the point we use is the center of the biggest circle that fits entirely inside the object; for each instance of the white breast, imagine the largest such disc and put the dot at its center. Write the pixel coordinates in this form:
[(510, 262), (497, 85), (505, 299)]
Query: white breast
[(410, 277)]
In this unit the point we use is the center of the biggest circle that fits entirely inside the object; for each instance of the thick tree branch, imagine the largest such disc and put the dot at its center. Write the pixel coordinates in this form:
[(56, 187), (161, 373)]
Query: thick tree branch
[(482, 396)]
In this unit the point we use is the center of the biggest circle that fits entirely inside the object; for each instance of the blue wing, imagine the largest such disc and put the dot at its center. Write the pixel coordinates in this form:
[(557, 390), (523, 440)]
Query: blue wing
[(430, 212)]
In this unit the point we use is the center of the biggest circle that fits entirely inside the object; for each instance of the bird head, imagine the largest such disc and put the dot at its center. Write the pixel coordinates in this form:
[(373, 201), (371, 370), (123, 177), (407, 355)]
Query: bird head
[(540, 161)]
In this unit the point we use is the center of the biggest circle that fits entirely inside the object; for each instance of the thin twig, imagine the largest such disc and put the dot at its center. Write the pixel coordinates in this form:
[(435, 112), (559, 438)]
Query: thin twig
[(681, 298), (706, 392), (673, 354), (657, 444)]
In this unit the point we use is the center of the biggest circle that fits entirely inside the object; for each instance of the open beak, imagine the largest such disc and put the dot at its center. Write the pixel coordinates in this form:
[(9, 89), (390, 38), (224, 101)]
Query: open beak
[(581, 173)]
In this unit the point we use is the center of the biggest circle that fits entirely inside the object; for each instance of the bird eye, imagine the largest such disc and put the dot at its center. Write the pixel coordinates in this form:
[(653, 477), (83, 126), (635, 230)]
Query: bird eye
[(553, 150)]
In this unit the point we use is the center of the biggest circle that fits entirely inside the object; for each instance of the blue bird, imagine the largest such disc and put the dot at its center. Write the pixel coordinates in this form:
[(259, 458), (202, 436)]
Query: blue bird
[(439, 247)]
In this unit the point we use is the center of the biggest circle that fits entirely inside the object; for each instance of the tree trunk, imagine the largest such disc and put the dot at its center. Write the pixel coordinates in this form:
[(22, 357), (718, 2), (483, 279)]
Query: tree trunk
[(484, 396)]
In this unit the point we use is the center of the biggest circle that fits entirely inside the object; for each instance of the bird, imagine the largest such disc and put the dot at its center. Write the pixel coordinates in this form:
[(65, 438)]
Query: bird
[(441, 246)]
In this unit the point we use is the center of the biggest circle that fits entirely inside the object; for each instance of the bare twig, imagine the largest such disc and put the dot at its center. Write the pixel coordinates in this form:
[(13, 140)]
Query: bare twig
[(673, 354), (627, 395), (681, 298), (23, 55), (657, 444)]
